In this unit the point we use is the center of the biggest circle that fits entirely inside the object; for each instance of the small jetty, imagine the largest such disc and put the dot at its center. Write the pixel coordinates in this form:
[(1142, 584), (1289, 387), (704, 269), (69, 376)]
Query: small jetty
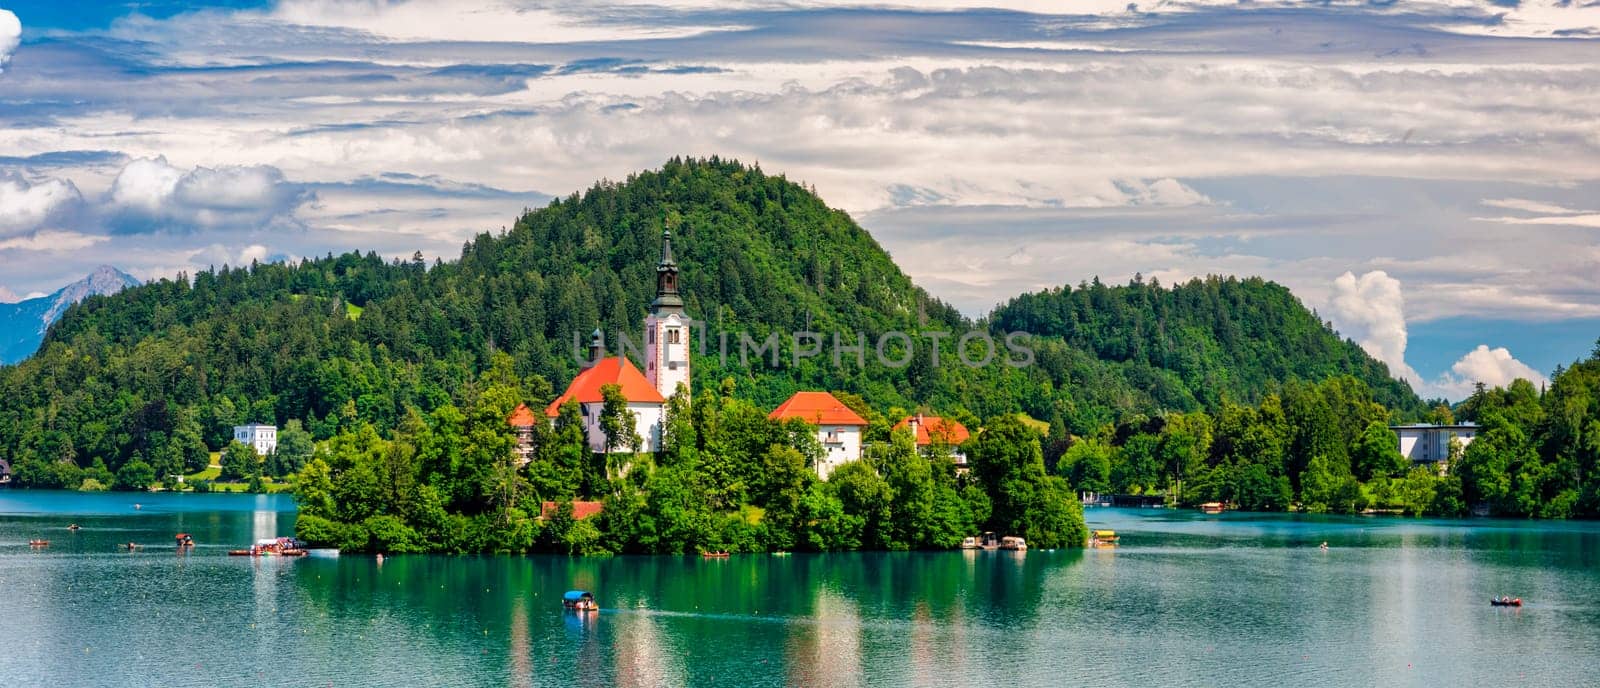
[(1212, 508), (720, 554), (579, 601)]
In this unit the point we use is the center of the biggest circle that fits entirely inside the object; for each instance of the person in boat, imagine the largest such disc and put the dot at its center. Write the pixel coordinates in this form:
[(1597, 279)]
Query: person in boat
[(1324, 545), (72, 527)]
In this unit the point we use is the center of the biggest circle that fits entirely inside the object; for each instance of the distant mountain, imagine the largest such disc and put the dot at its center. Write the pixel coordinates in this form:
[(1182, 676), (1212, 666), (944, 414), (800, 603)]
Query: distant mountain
[(23, 324)]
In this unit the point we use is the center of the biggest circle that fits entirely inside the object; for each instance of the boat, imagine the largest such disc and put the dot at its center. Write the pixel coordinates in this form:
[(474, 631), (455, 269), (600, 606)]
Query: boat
[(1013, 543), (579, 601), (74, 527), (715, 555), (1103, 538), (131, 546), (184, 540), (970, 543), (38, 543), (269, 547), (1211, 508), (988, 541), (1505, 601)]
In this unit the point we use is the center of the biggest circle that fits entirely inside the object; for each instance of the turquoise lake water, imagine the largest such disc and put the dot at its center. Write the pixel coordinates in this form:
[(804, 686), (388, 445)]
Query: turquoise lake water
[(1188, 600)]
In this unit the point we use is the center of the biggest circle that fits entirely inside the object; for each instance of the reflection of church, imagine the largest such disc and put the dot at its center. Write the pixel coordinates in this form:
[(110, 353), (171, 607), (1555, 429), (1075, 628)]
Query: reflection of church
[(666, 353)]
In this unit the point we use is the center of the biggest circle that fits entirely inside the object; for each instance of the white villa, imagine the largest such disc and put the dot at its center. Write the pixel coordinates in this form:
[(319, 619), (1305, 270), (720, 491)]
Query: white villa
[(262, 438), (839, 429)]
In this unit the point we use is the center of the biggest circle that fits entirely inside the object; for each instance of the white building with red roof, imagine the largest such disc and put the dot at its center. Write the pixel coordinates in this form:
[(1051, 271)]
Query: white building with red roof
[(667, 363), (521, 421), (839, 429), (929, 429)]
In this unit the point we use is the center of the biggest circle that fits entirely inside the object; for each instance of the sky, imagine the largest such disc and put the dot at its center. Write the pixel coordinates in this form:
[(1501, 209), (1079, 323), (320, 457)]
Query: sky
[(1426, 175)]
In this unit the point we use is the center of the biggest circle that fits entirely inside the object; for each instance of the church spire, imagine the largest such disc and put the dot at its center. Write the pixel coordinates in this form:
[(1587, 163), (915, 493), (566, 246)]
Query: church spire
[(667, 298)]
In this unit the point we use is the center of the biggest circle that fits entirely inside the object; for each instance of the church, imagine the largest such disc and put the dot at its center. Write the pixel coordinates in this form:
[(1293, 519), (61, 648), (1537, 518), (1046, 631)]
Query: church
[(666, 354)]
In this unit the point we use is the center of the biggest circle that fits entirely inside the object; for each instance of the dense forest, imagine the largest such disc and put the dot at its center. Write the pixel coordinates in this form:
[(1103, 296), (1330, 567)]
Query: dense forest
[(1204, 343), (1326, 447), (727, 479), (159, 372), (354, 355)]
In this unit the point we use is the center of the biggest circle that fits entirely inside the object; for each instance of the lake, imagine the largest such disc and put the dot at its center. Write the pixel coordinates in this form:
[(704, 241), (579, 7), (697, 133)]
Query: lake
[(1188, 600)]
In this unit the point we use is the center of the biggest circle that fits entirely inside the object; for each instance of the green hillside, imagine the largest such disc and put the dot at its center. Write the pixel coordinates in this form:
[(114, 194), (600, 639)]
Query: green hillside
[(1209, 341), (161, 372)]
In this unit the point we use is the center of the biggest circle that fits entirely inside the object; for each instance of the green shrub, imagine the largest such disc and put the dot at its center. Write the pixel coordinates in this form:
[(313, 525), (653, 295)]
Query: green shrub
[(314, 530), (388, 533), (135, 475)]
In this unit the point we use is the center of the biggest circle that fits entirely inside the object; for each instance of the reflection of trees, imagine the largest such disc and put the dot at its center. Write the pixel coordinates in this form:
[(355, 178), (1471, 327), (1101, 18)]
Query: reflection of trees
[(836, 619)]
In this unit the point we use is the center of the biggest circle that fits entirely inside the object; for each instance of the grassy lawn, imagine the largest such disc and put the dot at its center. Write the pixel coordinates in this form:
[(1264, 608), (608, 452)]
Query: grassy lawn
[(352, 311), (272, 487), (211, 473), (214, 471)]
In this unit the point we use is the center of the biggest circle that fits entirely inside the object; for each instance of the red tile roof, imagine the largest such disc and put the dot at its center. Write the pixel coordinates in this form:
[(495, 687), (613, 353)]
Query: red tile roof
[(952, 432), (522, 417), (817, 408), (580, 510), (585, 388)]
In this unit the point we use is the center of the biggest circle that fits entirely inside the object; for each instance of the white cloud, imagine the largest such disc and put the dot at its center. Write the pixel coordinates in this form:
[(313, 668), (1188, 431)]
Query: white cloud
[(1533, 18), (24, 207), (145, 184), (1526, 205), (253, 252), (1371, 310), (1171, 192), (8, 296), (1590, 220), (10, 36), (982, 112), (1493, 367), (152, 195), (52, 241)]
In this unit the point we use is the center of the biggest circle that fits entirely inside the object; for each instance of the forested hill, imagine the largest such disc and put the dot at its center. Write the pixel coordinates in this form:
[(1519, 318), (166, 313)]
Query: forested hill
[(161, 372), (1224, 338)]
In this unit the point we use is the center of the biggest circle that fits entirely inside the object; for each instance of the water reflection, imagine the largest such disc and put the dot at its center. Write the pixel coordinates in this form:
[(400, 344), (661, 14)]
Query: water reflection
[(644, 655), (1181, 603), (825, 649)]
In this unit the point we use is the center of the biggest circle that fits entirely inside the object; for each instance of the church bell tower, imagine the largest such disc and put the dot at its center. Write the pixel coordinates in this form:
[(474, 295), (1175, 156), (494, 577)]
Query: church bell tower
[(667, 328)]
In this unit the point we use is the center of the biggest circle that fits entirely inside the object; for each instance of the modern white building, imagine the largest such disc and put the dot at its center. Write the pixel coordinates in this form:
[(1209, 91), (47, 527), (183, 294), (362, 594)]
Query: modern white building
[(1425, 443), (262, 438), (839, 429)]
